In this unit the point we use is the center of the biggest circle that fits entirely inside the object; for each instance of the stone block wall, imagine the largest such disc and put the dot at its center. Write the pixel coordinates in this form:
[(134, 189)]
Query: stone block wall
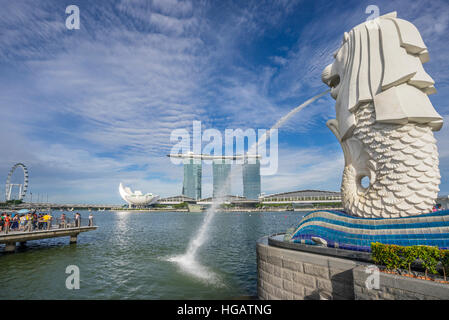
[(396, 287), (297, 275)]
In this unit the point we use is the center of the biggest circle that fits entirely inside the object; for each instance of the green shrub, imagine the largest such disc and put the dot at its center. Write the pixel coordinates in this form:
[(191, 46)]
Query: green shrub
[(409, 255), (444, 259), (429, 256), (182, 205), (377, 253), (386, 255), (393, 260), (394, 257)]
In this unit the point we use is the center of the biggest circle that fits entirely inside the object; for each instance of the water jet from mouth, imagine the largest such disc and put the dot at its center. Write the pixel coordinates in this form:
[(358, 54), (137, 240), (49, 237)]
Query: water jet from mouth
[(188, 261)]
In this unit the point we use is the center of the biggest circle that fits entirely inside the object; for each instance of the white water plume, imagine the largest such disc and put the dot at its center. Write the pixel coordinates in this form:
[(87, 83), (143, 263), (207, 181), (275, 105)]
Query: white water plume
[(188, 262), (282, 120)]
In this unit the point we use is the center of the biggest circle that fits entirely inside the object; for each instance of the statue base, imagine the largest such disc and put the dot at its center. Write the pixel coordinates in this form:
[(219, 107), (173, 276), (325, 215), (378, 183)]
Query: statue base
[(336, 229)]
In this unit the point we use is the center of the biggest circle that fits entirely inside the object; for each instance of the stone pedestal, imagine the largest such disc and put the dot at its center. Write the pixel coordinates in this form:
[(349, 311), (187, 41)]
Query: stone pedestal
[(73, 238), (288, 274), (10, 247), (294, 275)]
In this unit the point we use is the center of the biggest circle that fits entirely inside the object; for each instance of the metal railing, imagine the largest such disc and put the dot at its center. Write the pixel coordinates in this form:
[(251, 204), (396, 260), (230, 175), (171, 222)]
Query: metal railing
[(33, 225)]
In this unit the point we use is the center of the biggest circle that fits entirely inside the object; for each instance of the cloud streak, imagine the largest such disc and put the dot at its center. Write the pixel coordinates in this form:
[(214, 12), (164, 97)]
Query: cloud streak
[(87, 109)]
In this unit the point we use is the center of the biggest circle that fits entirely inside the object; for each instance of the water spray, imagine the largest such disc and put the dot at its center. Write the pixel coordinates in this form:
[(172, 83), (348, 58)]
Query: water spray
[(188, 261)]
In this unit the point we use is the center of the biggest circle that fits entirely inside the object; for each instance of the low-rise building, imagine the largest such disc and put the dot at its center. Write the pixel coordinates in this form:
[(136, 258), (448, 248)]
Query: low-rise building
[(302, 196), (176, 200), (443, 201)]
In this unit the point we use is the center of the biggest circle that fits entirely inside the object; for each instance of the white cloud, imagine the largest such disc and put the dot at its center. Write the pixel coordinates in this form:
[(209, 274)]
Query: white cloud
[(82, 108), (306, 168)]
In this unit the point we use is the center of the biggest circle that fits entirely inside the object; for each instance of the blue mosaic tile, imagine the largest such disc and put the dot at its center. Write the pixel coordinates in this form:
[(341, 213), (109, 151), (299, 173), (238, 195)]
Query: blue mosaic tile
[(400, 231)]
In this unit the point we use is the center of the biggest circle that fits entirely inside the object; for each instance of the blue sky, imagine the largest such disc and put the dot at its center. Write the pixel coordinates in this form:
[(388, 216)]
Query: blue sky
[(86, 109)]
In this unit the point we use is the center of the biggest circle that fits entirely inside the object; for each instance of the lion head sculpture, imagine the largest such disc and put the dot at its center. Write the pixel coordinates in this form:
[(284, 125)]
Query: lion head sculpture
[(385, 120)]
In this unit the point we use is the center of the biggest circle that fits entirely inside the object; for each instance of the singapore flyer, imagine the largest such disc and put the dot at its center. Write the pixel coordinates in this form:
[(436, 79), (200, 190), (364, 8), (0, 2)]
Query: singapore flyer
[(11, 184)]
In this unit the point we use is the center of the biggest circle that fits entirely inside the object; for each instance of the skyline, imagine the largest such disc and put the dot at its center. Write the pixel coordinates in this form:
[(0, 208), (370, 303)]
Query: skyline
[(87, 109)]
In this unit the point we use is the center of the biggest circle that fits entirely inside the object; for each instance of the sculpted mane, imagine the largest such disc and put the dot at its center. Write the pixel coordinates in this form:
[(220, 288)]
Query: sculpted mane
[(385, 120), (381, 61)]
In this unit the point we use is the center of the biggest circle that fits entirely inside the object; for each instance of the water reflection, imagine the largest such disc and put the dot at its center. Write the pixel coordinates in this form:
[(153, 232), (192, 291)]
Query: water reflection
[(126, 258)]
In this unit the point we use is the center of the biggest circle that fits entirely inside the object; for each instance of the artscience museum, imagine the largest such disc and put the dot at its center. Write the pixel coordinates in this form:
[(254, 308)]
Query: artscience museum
[(137, 198)]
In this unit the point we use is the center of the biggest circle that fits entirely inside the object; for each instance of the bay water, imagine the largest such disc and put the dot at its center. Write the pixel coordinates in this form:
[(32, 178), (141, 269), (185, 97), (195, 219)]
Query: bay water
[(129, 257)]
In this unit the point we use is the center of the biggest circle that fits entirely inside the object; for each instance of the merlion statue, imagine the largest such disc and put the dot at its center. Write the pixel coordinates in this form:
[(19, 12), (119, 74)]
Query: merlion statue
[(385, 120)]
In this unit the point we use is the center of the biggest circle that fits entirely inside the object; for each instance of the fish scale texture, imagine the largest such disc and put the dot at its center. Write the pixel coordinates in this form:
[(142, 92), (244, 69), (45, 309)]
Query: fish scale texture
[(404, 160)]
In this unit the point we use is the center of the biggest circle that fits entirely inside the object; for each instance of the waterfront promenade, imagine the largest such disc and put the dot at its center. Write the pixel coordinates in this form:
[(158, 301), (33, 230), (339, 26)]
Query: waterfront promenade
[(11, 238), (94, 208)]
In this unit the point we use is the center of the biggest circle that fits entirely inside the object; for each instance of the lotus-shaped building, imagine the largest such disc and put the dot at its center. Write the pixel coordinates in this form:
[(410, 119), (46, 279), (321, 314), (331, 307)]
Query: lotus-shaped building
[(137, 198)]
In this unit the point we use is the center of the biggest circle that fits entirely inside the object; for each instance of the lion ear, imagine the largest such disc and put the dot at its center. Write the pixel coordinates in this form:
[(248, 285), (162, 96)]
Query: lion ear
[(392, 14), (421, 79), (399, 66), (404, 55), (409, 36), (406, 103)]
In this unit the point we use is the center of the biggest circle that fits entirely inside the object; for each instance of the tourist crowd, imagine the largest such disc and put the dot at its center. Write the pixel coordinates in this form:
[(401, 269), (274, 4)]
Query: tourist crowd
[(25, 222), (33, 221)]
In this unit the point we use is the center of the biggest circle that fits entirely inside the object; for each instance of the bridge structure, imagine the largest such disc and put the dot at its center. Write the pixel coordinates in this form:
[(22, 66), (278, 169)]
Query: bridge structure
[(12, 238), (62, 207), (52, 228)]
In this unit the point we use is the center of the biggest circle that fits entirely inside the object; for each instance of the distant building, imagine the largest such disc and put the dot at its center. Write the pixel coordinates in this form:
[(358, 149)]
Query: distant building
[(227, 199), (192, 174), (176, 200), (192, 178), (221, 178), (251, 179), (302, 196), (443, 201), (296, 199), (137, 198)]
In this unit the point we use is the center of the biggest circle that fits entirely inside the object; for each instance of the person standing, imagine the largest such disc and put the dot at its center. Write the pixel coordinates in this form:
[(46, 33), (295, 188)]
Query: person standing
[(91, 219), (40, 221), (77, 220), (34, 221), (63, 223), (15, 222), (28, 219), (47, 218), (7, 223), (22, 223)]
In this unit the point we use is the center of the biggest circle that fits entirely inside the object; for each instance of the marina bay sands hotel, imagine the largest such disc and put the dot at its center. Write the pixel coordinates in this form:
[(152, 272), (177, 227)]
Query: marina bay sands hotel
[(221, 168)]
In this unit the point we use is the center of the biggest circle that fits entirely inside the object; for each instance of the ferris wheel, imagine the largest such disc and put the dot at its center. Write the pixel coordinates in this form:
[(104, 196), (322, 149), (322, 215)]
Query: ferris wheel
[(23, 186)]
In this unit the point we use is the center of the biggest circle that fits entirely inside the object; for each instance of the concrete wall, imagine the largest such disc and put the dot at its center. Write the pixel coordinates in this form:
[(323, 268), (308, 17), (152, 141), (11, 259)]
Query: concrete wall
[(296, 275), (396, 287), (290, 274)]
